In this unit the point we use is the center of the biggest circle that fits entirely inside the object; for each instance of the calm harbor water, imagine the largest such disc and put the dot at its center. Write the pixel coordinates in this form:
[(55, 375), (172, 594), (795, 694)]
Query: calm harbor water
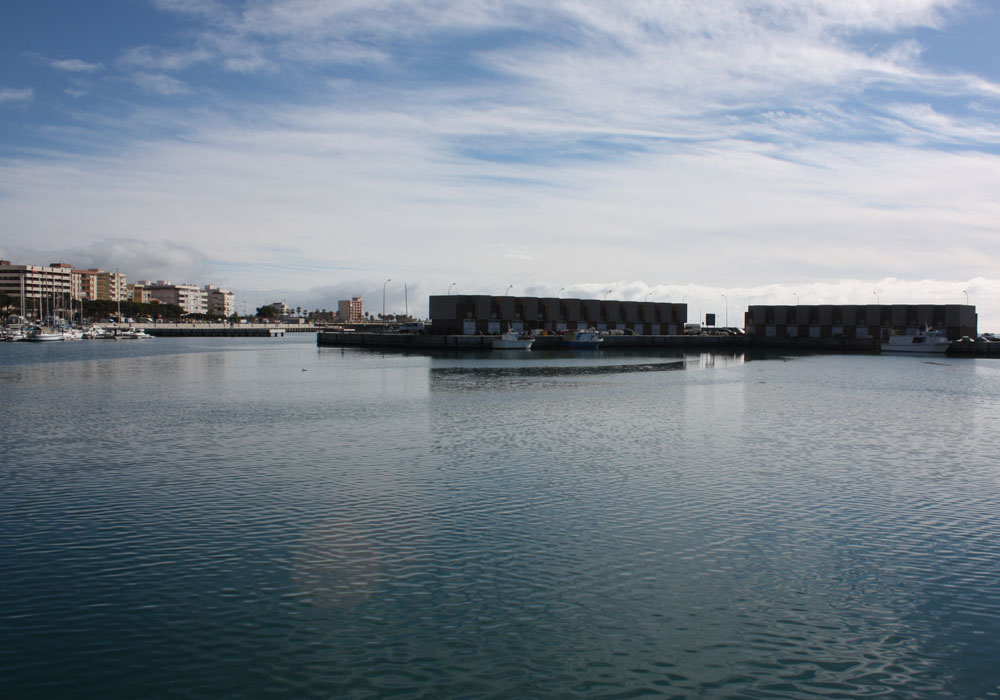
[(262, 517)]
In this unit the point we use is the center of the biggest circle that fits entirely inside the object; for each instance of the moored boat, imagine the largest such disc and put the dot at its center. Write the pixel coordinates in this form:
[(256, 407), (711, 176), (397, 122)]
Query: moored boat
[(38, 334), (589, 339), (96, 333), (133, 334), (927, 341), (512, 340)]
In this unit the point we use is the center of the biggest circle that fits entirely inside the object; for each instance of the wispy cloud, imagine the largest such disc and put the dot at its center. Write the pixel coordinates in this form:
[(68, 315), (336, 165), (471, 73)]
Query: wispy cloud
[(160, 83), (74, 65), (494, 143), (16, 95), (149, 58)]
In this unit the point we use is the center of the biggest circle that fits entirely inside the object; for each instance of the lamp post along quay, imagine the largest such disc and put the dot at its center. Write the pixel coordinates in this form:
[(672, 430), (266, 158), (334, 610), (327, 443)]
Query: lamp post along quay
[(383, 300)]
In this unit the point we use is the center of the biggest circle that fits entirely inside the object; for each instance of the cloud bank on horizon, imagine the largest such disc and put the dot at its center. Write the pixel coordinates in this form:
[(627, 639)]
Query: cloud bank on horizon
[(301, 145)]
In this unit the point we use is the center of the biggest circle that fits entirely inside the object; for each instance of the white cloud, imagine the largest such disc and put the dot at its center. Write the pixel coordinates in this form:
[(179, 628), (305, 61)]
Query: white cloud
[(74, 65), (16, 95), (148, 58), (160, 83), (687, 144)]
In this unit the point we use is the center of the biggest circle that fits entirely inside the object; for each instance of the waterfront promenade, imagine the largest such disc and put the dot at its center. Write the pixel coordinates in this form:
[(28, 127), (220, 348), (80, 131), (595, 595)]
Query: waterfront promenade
[(262, 330)]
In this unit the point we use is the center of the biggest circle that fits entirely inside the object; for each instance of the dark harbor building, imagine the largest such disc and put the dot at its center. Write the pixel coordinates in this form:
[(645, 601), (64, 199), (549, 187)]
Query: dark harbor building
[(860, 321), (470, 314)]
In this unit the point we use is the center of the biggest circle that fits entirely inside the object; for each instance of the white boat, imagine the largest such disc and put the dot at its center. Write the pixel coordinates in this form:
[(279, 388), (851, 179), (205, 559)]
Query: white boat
[(40, 335), (133, 334), (13, 334), (96, 333), (512, 340), (589, 339), (927, 341)]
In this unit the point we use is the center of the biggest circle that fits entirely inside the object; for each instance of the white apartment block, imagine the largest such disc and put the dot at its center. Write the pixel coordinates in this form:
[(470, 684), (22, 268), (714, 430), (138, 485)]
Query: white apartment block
[(191, 298), (51, 284), (220, 302)]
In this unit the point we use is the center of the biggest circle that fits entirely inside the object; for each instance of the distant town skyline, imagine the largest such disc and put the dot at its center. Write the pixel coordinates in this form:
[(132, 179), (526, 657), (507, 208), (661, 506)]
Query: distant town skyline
[(770, 151)]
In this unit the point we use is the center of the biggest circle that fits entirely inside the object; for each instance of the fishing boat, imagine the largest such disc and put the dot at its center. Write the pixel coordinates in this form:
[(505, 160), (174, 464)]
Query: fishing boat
[(589, 339), (926, 341), (512, 340)]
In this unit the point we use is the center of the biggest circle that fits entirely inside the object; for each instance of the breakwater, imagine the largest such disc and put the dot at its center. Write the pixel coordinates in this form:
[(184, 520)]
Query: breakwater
[(403, 341)]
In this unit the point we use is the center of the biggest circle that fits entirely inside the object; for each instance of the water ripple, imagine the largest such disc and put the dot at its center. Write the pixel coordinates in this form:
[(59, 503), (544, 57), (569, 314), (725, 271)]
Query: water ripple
[(414, 527)]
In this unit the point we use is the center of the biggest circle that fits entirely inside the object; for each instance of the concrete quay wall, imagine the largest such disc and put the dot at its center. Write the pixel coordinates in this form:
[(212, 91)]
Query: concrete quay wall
[(404, 341), (218, 330), (976, 349)]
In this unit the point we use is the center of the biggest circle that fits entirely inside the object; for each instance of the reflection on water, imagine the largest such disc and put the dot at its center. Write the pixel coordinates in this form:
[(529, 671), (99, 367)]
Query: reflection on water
[(235, 517)]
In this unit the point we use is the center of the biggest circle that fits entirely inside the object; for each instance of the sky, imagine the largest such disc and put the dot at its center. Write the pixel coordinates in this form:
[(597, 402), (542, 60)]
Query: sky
[(719, 153)]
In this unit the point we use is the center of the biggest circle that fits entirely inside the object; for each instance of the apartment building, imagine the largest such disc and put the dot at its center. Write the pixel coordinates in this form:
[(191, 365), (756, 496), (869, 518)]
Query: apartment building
[(111, 286), (48, 286), (138, 293), (461, 314), (85, 283), (191, 298), (351, 310), (220, 302)]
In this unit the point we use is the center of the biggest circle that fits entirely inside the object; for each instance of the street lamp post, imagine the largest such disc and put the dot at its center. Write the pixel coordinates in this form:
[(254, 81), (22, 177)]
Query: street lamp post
[(449, 288), (383, 301), (606, 294), (647, 297), (559, 293), (727, 310), (796, 298), (508, 290), (966, 297), (875, 292)]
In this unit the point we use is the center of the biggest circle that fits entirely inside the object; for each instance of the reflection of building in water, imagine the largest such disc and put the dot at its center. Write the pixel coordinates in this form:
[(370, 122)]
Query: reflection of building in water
[(860, 321), (469, 314)]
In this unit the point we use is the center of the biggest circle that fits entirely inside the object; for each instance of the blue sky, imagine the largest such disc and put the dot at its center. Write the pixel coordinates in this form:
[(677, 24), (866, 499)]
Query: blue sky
[(300, 149)]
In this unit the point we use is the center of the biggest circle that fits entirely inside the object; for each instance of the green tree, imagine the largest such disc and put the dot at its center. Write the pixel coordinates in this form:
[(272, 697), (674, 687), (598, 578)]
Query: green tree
[(267, 311)]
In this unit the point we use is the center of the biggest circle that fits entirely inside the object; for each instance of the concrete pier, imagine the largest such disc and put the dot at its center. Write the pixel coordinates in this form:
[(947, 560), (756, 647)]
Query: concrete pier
[(217, 330), (402, 341)]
